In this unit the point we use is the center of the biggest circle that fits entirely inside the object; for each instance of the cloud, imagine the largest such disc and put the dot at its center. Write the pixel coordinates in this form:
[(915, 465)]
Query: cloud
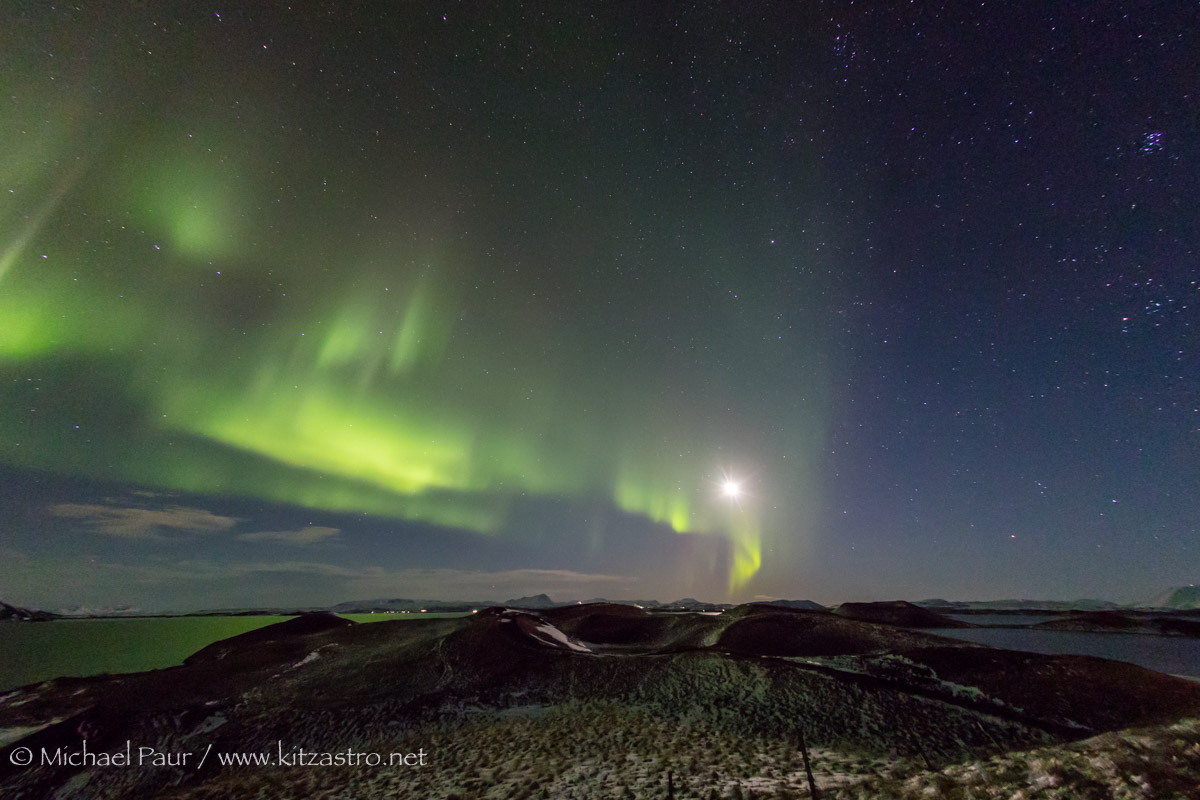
[(296, 568), (313, 534), (143, 523)]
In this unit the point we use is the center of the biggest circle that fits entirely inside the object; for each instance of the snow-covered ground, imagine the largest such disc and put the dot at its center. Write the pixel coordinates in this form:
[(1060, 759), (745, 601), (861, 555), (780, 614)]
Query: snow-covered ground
[(561, 638)]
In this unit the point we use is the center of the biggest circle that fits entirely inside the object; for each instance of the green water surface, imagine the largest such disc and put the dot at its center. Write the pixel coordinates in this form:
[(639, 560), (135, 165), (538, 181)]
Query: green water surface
[(36, 651)]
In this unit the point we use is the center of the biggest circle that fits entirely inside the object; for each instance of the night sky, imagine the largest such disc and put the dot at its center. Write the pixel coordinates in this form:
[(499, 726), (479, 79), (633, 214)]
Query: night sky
[(842, 301)]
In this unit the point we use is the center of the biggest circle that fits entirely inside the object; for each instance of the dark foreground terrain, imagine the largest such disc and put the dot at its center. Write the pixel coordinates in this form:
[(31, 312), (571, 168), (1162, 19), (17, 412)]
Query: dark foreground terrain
[(605, 701)]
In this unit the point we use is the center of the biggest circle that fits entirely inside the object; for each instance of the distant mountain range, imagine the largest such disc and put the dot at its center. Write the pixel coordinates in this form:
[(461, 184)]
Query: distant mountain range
[(1180, 598), (537, 601), (99, 611), (1187, 597), (1085, 604), (808, 605)]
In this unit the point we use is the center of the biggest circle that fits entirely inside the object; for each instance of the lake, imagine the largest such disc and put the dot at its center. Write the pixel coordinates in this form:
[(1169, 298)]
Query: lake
[(38, 651), (1173, 655)]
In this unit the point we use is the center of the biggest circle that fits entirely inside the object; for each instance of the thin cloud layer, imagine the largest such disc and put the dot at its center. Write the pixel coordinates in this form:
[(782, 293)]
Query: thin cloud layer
[(143, 523), (313, 534)]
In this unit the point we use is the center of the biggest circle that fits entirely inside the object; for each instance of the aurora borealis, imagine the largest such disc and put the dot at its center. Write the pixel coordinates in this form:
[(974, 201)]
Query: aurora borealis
[(501, 292)]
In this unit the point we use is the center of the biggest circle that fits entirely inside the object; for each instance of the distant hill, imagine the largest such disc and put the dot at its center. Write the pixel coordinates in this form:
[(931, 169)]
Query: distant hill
[(1092, 621), (637, 603), (99, 611), (807, 605), (692, 604), (393, 604), (18, 614), (1083, 604), (1178, 597), (1161, 624), (686, 604), (898, 612), (938, 602), (401, 604), (534, 601)]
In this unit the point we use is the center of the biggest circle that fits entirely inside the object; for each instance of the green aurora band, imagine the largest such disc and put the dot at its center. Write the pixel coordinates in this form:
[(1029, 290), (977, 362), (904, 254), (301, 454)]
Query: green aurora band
[(163, 323), (376, 406)]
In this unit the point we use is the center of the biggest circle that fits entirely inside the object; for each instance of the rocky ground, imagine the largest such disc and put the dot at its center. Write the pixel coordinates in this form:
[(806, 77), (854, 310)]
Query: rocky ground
[(608, 702)]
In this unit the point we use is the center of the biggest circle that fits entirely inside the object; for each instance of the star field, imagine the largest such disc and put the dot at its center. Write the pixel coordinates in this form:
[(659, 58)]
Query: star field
[(445, 301)]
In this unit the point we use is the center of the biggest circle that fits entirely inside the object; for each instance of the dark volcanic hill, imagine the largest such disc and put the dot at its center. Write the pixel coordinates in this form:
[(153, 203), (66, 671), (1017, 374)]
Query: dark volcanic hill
[(281, 634), (898, 612), (1162, 624), (563, 688), (1093, 621)]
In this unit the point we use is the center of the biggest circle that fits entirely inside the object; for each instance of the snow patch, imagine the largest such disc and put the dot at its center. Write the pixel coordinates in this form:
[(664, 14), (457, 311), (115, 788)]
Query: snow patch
[(308, 659), (209, 724), (560, 637)]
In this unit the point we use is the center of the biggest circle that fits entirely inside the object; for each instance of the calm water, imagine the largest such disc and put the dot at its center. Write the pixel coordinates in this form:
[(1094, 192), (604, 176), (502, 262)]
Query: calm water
[(1004, 619), (1173, 655), (38, 651)]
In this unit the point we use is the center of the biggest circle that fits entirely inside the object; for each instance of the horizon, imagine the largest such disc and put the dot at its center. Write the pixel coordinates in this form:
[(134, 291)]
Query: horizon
[(69, 610)]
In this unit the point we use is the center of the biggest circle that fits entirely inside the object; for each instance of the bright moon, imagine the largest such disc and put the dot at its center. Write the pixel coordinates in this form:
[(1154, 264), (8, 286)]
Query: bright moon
[(731, 489)]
